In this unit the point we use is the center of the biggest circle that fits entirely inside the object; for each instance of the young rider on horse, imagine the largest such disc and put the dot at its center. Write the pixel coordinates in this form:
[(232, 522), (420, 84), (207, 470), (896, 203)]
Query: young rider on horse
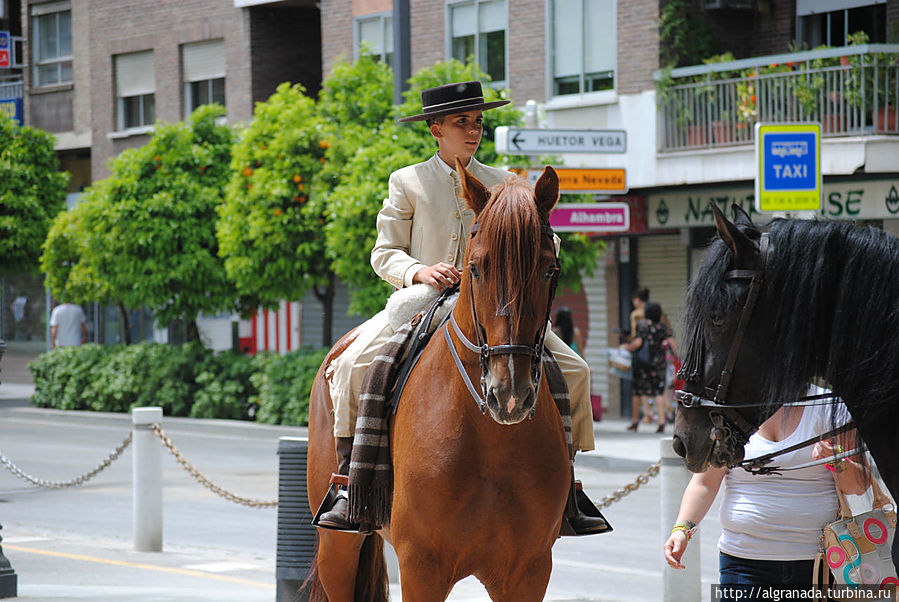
[(423, 228)]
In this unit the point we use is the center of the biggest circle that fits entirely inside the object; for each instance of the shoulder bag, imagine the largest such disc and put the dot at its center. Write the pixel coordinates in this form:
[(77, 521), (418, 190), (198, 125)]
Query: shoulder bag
[(856, 549)]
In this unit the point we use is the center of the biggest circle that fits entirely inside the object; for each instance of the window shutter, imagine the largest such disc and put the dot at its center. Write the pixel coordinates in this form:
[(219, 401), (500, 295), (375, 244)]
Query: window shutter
[(600, 47), (134, 74), (464, 20), (567, 28), (203, 60), (492, 16)]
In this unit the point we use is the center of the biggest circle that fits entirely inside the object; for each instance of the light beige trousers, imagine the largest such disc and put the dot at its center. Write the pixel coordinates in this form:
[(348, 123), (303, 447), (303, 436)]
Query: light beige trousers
[(347, 371)]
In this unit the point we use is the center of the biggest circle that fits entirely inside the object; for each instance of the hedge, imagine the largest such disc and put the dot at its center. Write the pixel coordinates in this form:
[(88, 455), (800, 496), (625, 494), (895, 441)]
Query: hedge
[(185, 380)]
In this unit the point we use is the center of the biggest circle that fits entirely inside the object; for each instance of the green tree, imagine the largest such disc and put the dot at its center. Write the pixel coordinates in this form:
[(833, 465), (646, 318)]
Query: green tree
[(145, 236), (32, 193), (270, 224)]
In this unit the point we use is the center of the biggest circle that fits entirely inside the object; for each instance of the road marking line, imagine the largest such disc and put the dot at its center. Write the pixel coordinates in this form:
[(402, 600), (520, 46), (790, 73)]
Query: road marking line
[(141, 565), (223, 567), (23, 539)]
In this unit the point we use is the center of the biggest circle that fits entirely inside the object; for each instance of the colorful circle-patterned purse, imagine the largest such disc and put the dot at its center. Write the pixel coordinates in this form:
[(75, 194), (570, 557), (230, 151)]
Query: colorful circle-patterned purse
[(856, 549)]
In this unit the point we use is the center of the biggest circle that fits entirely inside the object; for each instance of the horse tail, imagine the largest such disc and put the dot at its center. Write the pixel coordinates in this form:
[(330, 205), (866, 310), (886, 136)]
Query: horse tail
[(312, 588), (371, 577)]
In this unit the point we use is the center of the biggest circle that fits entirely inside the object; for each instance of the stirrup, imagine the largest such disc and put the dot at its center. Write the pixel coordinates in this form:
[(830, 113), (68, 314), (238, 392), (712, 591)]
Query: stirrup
[(328, 503)]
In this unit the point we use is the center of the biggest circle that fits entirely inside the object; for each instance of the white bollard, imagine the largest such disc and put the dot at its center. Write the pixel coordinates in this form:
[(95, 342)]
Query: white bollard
[(147, 480), (679, 585)]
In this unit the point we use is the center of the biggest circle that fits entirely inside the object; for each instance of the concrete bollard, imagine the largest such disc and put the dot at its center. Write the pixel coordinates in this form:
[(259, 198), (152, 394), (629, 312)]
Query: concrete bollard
[(296, 534), (147, 480), (8, 578), (679, 585)]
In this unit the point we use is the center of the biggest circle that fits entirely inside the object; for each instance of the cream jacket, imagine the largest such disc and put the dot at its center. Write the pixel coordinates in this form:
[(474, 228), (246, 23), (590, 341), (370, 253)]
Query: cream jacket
[(425, 219)]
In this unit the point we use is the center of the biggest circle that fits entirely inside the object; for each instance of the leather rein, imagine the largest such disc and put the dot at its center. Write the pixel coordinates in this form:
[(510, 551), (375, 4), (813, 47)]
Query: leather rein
[(729, 426), (485, 351)]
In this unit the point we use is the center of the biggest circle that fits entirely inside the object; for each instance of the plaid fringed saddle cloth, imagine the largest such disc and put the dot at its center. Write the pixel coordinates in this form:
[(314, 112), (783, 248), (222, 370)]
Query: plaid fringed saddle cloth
[(371, 473)]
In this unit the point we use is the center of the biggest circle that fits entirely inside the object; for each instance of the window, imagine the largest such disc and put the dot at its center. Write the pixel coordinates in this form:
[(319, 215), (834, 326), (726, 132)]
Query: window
[(135, 85), (203, 72), (584, 47), (51, 33), (376, 34), (478, 30), (830, 22)]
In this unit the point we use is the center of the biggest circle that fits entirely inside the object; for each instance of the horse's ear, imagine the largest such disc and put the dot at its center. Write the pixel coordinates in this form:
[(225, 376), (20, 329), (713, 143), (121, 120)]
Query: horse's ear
[(475, 193), (745, 252), (547, 190), (741, 218)]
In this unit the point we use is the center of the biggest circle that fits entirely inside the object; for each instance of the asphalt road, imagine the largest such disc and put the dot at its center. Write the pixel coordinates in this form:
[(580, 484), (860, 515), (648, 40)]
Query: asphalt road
[(76, 543)]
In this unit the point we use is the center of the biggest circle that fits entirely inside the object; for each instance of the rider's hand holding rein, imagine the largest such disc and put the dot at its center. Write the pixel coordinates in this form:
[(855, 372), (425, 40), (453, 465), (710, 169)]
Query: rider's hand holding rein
[(848, 473), (440, 275)]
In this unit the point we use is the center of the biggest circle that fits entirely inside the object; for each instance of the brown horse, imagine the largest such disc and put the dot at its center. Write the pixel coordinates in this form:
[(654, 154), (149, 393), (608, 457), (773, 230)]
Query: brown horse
[(472, 494)]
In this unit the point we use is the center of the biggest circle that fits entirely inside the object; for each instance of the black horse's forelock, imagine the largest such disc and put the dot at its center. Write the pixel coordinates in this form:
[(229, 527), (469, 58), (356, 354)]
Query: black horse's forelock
[(830, 300)]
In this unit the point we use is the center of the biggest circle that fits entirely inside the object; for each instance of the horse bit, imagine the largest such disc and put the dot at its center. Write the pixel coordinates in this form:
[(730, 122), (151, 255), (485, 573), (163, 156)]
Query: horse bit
[(485, 351)]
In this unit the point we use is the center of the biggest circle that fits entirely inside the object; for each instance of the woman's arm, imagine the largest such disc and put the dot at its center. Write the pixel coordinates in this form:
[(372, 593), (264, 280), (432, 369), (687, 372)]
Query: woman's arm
[(672, 345), (698, 498), (635, 344), (579, 339)]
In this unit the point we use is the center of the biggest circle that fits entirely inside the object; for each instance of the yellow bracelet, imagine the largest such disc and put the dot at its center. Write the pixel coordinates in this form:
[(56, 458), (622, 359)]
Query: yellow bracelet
[(687, 530)]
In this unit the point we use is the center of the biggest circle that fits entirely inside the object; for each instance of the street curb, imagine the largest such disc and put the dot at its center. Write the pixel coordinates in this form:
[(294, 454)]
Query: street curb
[(610, 463), (216, 426)]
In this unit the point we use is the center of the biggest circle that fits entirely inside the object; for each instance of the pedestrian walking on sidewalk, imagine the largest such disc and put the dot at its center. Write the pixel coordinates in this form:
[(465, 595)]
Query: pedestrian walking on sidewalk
[(649, 377), (68, 326)]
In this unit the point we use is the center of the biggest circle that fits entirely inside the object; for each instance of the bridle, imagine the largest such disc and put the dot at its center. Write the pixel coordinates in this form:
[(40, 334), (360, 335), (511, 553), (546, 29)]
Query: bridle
[(485, 351), (730, 427)]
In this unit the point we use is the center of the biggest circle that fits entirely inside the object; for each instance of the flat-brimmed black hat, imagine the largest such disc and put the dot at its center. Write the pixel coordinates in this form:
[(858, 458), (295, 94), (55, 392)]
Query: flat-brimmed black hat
[(453, 98)]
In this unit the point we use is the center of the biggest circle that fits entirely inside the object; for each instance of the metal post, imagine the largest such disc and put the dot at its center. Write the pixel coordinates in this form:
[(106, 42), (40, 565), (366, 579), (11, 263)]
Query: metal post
[(402, 59), (8, 578), (147, 480), (679, 585)]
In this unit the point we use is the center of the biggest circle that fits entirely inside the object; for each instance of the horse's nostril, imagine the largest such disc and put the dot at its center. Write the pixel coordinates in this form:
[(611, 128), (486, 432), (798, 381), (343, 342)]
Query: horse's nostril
[(679, 448)]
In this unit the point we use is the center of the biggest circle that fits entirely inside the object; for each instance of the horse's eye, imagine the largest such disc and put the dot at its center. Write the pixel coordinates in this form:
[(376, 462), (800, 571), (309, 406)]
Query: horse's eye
[(716, 320), (475, 272), (548, 275)]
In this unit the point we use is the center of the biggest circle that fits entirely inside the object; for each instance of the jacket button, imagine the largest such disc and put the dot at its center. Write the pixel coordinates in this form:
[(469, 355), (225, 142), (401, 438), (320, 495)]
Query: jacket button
[(454, 236), (450, 257), (457, 215)]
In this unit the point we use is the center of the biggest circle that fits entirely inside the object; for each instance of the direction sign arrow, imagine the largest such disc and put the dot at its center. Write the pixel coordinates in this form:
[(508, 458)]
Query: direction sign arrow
[(521, 141)]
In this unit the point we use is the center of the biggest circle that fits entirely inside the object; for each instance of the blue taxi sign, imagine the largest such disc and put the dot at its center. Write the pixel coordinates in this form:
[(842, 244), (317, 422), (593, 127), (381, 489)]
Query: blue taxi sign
[(788, 161)]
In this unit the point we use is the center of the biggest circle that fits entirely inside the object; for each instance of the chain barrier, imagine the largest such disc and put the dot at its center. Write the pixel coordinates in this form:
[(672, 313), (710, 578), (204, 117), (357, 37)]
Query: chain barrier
[(202, 480), (605, 502), (72, 482), (641, 480)]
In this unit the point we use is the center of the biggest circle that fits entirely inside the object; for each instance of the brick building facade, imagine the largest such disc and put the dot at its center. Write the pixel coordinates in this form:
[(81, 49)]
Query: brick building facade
[(262, 46)]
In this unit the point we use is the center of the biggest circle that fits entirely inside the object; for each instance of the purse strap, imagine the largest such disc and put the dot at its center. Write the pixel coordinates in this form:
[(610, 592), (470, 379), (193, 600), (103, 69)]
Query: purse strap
[(880, 499)]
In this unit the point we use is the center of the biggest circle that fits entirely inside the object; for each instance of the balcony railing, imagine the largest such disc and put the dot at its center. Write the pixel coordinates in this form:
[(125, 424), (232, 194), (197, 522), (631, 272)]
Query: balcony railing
[(851, 91)]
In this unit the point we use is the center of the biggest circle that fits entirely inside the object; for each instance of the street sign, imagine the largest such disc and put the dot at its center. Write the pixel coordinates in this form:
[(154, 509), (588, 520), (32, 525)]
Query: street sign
[(591, 217), (521, 141), (602, 180), (5, 62), (788, 159)]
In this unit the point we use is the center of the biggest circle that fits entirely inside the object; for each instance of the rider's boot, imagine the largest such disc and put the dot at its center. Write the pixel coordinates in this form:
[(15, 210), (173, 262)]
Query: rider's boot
[(587, 519), (336, 517)]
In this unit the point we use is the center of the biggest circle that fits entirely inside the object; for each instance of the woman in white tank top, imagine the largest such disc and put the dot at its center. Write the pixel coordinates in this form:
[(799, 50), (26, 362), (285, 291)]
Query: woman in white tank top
[(771, 523)]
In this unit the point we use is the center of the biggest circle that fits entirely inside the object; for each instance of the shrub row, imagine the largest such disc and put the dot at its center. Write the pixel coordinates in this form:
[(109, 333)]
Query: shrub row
[(185, 380)]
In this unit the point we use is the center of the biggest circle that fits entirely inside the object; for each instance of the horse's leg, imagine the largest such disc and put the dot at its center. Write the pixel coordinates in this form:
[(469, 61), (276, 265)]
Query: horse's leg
[(525, 584), (422, 578)]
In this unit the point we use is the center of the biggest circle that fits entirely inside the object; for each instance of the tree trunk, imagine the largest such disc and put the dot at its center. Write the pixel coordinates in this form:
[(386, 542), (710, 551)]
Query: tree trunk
[(326, 298), (125, 327), (191, 331)]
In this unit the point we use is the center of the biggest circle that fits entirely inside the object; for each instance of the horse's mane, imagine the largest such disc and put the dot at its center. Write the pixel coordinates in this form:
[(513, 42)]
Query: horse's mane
[(509, 239), (831, 296)]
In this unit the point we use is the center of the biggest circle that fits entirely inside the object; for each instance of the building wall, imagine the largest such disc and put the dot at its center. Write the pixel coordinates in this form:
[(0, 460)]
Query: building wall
[(122, 26), (638, 45), (527, 50), (336, 32)]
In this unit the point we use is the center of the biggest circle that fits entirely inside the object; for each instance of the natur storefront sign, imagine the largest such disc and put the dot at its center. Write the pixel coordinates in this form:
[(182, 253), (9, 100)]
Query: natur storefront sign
[(849, 200)]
